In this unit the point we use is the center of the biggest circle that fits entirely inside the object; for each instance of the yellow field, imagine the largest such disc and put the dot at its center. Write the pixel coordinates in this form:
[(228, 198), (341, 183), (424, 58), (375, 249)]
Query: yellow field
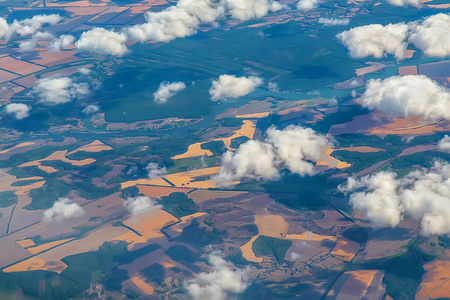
[(160, 191), (180, 180), (131, 238), (436, 281), (253, 116), (41, 248), (327, 160), (17, 146), (89, 243), (149, 224), (47, 169), (34, 264), (186, 220), (363, 149), (184, 179), (156, 181), (59, 155), (408, 126), (200, 196), (345, 250), (142, 285), (309, 236), (247, 129), (194, 150), (363, 277), (272, 225), (95, 146), (26, 188), (247, 251), (26, 243)]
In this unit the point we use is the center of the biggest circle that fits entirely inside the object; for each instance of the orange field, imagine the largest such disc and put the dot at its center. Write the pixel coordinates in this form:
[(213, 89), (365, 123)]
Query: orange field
[(247, 251), (436, 280), (149, 224)]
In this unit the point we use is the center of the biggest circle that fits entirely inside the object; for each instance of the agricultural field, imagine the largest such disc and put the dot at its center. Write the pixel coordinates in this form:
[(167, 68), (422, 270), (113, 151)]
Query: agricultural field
[(175, 149)]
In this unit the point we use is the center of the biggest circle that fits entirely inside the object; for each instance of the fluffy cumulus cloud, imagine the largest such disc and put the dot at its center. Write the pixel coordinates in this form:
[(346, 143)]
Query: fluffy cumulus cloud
[(410, 95), (26, 26), (220, 283), (180, 20), (230, 86), (333, 21), (253, 160), (423, 195), (177, 21), (102, 42), (432, 36), (245, 10), (404, 2), (58, 90), (444, 144), (29, 45), (63, 209), (293, 148), (84, 71), (141, 204), (379, 202), (91, 109), (305, 5), (273, 87), (155, 171), (167, 90), (376, 40), (64, 41), (20, 110), (184, 18)]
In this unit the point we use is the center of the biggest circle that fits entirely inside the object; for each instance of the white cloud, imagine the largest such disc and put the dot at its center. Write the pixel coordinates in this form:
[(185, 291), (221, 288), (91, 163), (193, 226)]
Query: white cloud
[(5, 31), (167, 90), (273, 87), (245, 10), (423, 195), (20, 110), (376, 40), (306, 5), (91, 109), (58, 90), (253, 160), (184, 18), (102, 42), (180, 20), (221, 282), (427, 198), (294, 148), (84, 71), (26, 26), (141, 204), (61, 42), (379, 203), (404, 2), (62, 209), (230, 86), (29, 45), (155, 171), (432, 36), (333, 21), (410, 95), (444, 144)]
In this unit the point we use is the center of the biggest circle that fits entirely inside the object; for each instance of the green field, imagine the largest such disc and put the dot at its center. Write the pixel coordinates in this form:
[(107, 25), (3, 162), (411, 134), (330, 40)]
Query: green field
[(277, 248)]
